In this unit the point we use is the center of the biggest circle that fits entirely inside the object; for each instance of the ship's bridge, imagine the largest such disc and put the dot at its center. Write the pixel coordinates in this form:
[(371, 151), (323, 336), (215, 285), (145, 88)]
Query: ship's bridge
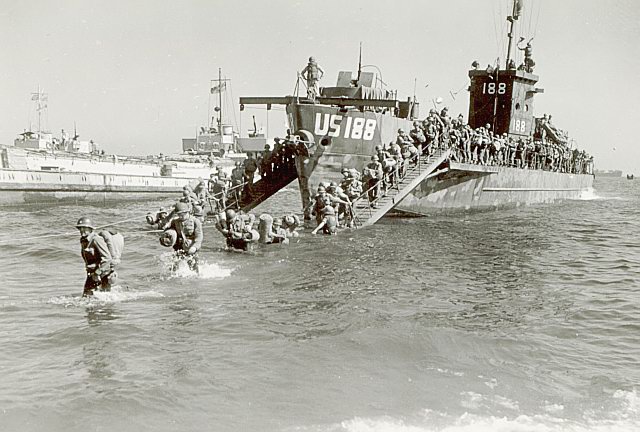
[(367, 86), (366, 92)]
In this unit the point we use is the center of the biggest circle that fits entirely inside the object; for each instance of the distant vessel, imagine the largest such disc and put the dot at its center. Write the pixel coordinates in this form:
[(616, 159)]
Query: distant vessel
[(41, 168), (344, 124), (608, 173), (219, 139), (629, 176)]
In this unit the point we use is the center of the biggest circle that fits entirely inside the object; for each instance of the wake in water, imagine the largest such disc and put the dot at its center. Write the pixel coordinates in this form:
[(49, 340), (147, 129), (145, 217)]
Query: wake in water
[(591, 195)]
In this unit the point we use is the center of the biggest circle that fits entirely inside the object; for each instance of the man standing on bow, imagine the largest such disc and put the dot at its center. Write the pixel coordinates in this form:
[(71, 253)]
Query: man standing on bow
[(312, 73)]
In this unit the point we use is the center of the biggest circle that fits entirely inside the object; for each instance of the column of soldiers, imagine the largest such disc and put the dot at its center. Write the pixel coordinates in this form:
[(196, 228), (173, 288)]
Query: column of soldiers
[(482, 146)]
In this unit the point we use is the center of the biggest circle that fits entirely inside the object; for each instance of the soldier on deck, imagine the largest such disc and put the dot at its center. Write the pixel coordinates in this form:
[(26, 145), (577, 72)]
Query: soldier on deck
[(528, 63), (312, 73)]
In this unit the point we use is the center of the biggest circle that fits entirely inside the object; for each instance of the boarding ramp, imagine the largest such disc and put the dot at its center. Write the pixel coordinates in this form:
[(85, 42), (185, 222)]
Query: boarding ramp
[(247, 198), (368, 211)]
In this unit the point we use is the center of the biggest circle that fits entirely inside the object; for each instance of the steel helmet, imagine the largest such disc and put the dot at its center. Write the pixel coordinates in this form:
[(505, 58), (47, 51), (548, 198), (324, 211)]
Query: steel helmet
[(321, 189), (230, 214), (182, 207), (312, 59), (277, 221), (85, 222)]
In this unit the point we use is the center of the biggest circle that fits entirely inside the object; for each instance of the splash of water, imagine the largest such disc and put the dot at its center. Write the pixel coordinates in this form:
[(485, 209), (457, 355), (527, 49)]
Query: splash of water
[(117, 294), (179, 268), (592, 195)]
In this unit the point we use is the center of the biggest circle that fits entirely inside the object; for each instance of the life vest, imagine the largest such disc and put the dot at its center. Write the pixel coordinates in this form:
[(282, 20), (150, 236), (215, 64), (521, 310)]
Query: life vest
[(250, 165), (291, 221), (115, 243), (168, 238), (331, 225), (312, 72)]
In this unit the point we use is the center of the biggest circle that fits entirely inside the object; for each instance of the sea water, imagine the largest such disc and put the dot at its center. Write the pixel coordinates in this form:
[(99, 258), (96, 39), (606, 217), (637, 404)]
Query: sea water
[(524, 319)]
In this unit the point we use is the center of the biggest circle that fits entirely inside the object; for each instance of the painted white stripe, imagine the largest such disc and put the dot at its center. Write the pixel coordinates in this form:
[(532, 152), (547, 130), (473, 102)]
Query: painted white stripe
[(529, 190)]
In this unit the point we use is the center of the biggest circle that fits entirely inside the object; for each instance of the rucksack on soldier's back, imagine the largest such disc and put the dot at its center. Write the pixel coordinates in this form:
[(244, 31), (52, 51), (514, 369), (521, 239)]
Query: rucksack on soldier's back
[(115, 243)]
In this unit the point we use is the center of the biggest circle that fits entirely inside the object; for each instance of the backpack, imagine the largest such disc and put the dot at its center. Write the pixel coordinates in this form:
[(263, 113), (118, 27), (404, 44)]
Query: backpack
[(115, 243)]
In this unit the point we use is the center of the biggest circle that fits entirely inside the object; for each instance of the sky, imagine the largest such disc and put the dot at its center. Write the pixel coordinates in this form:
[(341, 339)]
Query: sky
[(135, 75)]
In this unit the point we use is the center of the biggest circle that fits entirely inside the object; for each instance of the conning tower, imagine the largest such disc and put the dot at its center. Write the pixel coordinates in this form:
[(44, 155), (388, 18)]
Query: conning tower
[(502, 99)]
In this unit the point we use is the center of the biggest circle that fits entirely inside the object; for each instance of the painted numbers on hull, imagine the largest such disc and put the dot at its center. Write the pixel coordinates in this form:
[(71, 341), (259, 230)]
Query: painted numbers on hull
[(353, 127)]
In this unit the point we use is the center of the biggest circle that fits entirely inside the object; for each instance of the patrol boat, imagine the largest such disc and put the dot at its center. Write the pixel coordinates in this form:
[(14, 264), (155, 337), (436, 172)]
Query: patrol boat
[(342, 126)]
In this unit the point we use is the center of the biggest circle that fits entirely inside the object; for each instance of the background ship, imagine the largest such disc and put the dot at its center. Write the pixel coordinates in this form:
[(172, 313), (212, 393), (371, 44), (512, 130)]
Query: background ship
[(219, 139), (345, 123), (608, 173), (41, 168)]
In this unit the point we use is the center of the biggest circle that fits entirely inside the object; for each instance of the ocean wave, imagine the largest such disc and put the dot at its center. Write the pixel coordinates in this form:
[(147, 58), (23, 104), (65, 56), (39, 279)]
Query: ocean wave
[(626, 418)]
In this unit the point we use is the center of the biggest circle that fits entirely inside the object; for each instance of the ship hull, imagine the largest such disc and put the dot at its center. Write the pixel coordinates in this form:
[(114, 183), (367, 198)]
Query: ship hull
[(18, 187), (467, 187), (458, 187)]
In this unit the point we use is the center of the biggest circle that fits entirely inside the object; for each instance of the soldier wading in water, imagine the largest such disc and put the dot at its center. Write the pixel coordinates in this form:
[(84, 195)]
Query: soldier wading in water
[(101, 253)]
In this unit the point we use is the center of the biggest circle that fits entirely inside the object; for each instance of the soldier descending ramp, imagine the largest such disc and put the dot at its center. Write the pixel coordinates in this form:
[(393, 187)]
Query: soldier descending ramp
[(263, 189), (427, 166)]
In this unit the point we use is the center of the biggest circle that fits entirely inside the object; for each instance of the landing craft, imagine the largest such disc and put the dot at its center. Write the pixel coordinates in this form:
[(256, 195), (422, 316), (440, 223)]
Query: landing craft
[(344, 124)]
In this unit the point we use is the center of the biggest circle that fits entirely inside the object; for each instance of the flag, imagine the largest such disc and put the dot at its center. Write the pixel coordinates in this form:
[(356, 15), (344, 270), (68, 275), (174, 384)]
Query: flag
[(219, 88), (517, 9)]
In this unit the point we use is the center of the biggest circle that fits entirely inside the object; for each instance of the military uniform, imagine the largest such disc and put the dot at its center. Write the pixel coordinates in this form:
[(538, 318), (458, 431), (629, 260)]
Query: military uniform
[(312, 73), (189, 238), (98, 263)]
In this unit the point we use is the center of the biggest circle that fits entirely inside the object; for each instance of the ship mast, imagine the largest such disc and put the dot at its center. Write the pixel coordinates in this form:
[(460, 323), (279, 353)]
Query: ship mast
[(40, 99), (360, 63), (219, 88), (517, 8), (220, 100)]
